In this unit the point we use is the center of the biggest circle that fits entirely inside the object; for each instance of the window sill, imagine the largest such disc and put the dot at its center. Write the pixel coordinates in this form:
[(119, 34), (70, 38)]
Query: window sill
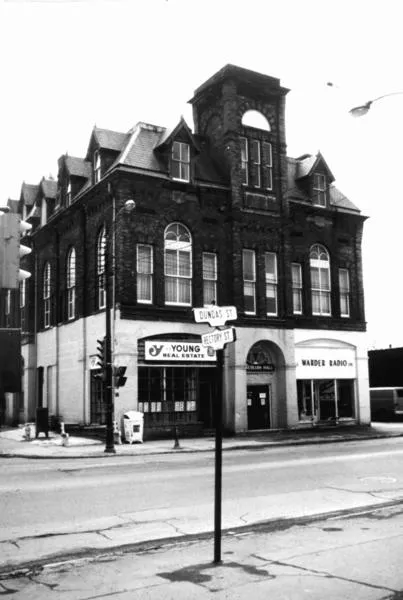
[(180, 180), (177, 305)]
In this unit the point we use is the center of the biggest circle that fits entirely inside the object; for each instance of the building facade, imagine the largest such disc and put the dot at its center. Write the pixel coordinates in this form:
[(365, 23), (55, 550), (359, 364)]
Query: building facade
[(385, 367), (222, 216)]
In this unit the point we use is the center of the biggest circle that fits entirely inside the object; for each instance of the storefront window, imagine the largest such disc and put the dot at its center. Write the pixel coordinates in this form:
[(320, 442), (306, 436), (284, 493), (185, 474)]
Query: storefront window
[(325, 399), (305, 404), (169, 390)]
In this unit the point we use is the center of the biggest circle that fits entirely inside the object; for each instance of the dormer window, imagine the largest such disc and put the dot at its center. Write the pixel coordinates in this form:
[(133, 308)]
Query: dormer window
[(44, 212), (319, 189), (180, 162), (68, 194), (97, 166)]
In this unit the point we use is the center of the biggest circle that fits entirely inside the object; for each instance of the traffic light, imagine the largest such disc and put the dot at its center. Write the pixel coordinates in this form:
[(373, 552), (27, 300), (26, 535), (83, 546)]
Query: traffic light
[(101, 353), (12, 228), (120, 379)]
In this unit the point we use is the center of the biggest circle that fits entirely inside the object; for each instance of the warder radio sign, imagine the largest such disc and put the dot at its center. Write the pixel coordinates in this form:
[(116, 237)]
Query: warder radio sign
[(326, 363), (163, 351)]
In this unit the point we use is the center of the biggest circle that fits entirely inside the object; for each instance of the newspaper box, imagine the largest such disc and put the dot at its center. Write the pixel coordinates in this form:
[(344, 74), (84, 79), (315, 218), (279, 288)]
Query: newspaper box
[(133, 422)]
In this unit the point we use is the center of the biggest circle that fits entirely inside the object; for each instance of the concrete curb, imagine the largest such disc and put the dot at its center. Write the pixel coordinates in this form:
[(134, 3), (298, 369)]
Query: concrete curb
[(238, 446), (268, 525)]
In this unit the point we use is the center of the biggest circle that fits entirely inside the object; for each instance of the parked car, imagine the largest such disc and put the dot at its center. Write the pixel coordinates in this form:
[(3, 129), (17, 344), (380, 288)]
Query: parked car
[(386, 403)]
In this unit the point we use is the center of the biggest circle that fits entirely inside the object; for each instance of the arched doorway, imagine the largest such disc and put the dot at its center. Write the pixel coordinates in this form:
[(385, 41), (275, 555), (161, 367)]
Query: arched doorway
[(265, 374)]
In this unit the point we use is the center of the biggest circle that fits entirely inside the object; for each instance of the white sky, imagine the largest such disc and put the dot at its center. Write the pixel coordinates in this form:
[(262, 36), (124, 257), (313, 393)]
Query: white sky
[(67, 65)]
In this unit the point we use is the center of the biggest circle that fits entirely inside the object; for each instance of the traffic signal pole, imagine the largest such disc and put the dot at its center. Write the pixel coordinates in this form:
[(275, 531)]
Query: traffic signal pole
[(12, 228)]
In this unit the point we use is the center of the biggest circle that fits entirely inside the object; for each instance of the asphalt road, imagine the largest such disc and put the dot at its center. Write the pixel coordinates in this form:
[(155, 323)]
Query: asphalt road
[(40, 498)]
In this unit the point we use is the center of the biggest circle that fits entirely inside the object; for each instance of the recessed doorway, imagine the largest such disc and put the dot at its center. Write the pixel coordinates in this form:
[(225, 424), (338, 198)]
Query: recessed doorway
[(259, 404)]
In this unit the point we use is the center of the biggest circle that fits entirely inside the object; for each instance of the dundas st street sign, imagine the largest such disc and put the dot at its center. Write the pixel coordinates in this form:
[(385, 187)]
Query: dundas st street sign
[(215, 316)]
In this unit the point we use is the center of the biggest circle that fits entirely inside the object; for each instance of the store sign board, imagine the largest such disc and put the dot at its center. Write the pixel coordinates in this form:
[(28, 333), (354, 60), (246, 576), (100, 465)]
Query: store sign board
[(215, 316), (260, 368), (217, 338), (161, 350), (325, 363)]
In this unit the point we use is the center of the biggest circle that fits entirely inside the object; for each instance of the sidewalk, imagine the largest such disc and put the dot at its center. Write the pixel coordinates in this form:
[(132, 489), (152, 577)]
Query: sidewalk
[(14, 444), (352, 556)]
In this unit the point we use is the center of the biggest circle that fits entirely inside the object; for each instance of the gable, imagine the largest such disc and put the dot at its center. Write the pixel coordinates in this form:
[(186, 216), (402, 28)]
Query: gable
[(181, 133), (308, 164)]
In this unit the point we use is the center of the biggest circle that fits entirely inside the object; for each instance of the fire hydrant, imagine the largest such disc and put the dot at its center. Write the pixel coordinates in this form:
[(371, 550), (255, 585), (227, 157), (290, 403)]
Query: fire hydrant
[(117, 435), (28, 432), (64, 435)]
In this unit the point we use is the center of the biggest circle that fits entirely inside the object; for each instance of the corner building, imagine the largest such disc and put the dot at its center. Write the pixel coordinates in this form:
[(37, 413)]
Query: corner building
[(222, 215)]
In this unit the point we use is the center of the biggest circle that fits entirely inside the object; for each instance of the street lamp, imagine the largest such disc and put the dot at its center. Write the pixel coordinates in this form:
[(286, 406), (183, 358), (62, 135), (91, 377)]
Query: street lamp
[(361, 110), (110, 305)]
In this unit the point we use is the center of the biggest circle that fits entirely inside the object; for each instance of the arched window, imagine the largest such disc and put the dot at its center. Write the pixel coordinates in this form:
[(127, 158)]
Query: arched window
[(101, 248), (71, 284), (319, 262), (256, 152), (46, 295), (178, 265), (254, 118)]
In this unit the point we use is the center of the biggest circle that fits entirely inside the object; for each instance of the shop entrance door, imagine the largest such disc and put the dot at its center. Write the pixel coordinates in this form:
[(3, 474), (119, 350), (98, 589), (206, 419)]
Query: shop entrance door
[(325, 399), (259, 399)]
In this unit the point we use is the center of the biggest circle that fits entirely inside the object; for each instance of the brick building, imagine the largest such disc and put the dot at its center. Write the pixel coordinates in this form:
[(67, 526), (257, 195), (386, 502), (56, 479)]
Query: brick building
[(221, 214)]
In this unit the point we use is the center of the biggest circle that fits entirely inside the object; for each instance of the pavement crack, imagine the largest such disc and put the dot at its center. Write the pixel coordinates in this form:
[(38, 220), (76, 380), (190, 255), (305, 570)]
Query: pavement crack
[(116, 593), (50, 586), (174, 527), (102, 534), (16, 544), (5, 591), (327, 575)]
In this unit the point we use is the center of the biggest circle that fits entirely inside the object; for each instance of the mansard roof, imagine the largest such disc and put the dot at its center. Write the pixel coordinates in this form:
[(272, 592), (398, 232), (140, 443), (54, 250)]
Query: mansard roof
[(107, 139), (111, 140), (13, 205), (143, 152), (28, 193), (49, 188), (78, 167)]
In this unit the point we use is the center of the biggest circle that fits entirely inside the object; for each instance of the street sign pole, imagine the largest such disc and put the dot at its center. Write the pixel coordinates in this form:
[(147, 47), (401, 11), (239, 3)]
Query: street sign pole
[(218, 460), (217, 316)]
